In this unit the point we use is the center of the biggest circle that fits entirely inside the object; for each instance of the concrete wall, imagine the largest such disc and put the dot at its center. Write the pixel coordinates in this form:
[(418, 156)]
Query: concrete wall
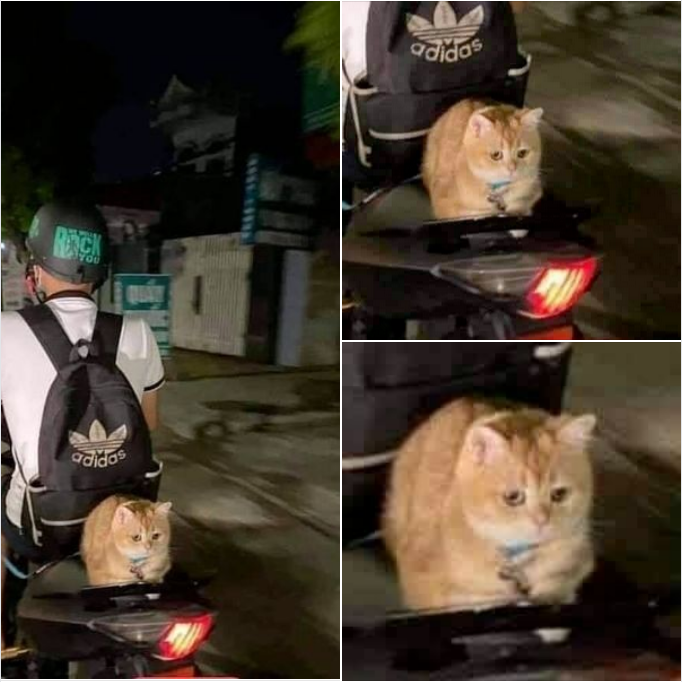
[(321, 328)]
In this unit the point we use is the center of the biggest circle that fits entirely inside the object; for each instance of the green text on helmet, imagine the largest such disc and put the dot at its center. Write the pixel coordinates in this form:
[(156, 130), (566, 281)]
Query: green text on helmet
[(71, 243)]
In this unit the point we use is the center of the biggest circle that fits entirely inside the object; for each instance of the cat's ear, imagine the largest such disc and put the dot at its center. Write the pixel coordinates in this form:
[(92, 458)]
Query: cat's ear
[(480, 124), (577, 431), (123, 514), (531, 117), (163, 507), (484, 445)]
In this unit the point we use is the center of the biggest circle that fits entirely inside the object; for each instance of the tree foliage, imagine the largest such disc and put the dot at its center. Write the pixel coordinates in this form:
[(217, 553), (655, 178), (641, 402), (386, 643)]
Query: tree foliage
[(23, 191), (53, 95), (317, 34)]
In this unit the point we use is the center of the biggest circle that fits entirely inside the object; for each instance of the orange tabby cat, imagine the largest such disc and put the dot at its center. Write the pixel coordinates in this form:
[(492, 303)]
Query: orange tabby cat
[(481, 159), (126, 539), (488, 506)]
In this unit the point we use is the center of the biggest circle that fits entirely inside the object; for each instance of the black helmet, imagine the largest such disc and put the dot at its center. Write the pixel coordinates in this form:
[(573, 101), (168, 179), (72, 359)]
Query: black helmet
[(71, 242)]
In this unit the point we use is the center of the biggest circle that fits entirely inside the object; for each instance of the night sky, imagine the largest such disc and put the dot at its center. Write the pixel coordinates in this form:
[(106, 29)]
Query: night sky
[(147, 42)]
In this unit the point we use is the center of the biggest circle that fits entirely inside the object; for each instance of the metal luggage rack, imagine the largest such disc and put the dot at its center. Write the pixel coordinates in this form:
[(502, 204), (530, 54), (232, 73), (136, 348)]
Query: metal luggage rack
[(550, 219), (502, 641)]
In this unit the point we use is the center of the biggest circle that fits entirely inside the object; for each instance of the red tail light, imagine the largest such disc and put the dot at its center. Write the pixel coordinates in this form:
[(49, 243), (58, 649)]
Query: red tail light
[(558, 286), (184, 637)]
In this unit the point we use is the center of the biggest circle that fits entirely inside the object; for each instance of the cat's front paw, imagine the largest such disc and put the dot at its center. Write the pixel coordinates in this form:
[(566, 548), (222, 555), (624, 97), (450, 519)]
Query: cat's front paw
[(520, 210), (550, 594), (515, 580)]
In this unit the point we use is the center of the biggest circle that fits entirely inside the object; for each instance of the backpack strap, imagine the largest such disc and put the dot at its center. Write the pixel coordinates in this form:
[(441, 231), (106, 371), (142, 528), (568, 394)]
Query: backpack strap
[(108, 328), (49, 332)]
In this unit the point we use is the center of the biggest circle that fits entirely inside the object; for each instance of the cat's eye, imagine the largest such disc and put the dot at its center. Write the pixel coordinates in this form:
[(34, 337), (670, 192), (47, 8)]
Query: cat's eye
[(137, 538), (156, 536), (522, 153), (514, 498), (559, 494), (496, 156)]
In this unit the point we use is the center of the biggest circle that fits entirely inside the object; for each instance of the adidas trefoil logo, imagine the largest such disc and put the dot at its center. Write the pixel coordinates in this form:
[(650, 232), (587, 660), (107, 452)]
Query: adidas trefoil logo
[(450, 40), (97, 449)]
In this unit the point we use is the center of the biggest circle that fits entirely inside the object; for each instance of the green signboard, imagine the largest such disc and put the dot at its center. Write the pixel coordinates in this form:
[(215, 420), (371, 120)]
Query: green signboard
[(149, 297), (279, 209)]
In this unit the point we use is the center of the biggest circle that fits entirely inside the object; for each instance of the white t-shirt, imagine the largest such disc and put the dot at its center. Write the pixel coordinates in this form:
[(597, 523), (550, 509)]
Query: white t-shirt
[(354, 18), (26, 374)]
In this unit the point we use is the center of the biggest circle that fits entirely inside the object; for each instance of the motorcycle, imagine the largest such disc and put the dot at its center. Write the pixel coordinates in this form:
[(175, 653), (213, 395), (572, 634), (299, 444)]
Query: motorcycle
[(61, 627), (65, 628), (491, 277), (407, 276)]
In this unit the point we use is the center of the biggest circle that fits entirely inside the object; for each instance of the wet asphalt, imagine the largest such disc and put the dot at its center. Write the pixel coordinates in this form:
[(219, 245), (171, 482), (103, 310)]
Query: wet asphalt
[(251, 465), (608, 77)]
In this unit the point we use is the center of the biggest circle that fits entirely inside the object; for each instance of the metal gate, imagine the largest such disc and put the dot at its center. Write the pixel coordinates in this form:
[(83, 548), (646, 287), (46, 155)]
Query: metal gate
[(210, 292)]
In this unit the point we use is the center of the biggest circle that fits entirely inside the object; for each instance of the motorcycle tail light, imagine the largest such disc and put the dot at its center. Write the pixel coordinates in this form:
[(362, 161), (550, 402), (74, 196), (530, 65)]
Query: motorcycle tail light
[(184, 636), (537, 284), (170, 636), (558, 287), (504, 276), (141, 628)]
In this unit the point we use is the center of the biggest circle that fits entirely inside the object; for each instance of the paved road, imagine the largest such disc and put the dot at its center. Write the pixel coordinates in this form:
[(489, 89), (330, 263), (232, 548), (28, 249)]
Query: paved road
[(251, 464), (634, 388), (608, 77)]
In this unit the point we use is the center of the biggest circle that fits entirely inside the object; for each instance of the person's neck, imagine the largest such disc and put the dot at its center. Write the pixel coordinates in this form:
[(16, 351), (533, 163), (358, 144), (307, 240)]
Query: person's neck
[(67, 293)]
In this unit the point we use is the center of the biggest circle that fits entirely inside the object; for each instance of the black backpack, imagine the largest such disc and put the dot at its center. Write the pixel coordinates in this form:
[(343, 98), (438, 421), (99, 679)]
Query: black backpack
[(423, 57), (94, 440)]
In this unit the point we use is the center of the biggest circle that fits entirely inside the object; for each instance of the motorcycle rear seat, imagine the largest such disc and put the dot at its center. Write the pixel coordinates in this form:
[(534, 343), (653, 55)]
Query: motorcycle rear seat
[(61, 592), (58, 609), (65, 576), (54, 594), (405, 211)]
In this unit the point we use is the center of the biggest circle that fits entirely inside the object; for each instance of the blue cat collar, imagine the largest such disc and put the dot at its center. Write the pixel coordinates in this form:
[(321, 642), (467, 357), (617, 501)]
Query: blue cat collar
[(513, 552), (496, 186), (136, 561)]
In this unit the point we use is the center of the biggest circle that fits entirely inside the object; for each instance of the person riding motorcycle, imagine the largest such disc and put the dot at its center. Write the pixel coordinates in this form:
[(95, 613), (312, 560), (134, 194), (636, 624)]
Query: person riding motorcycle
[(69, 259)]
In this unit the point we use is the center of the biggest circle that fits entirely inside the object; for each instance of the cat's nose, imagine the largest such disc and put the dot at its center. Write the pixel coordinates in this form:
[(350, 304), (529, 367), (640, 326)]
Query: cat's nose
[(540, 518)]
